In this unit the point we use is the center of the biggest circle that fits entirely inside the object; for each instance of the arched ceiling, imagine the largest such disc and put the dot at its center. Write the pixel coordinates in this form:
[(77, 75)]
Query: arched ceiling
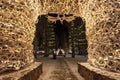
[(60, 6)]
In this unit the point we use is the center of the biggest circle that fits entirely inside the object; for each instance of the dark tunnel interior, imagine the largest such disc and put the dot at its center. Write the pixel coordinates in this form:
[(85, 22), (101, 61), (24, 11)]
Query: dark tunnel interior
[(67, 35)]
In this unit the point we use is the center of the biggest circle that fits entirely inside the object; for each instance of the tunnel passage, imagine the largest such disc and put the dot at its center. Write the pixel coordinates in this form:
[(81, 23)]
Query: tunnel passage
[(73, 36), (102, 20), (61, 34)]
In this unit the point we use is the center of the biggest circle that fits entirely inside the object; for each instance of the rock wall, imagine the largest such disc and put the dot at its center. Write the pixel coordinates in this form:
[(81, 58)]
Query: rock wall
[(103, 32), (17, 21)]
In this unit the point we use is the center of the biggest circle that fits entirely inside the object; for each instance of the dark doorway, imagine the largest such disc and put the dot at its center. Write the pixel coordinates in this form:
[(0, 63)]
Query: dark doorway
[(61, 34), (72, 35)]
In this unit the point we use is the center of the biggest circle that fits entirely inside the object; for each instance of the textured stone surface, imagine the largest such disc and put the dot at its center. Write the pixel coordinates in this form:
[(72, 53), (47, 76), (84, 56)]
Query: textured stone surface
[(91, 73), (103, 32), (103, 29), (31, 72), (17, 20)]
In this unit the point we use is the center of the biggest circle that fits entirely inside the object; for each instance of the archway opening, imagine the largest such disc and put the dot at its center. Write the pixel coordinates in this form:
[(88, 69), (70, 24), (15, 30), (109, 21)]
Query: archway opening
[(73, 38)]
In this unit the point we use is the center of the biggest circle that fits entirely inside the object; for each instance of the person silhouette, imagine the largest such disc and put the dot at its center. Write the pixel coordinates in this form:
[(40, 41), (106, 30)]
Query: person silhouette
[(59, 30)]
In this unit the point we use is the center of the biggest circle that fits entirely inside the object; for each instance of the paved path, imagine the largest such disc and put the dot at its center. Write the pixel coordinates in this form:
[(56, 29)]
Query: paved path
[(61, 68)]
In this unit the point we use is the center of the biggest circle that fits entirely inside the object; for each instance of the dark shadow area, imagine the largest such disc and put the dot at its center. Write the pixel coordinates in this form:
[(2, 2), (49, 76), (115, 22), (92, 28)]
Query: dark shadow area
[(61, 34), (77, 33), (38, 42), (67, 35), (80, 24)]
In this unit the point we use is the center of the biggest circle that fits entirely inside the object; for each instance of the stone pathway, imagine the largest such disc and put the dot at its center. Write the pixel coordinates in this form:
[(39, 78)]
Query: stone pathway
[(61, 68)]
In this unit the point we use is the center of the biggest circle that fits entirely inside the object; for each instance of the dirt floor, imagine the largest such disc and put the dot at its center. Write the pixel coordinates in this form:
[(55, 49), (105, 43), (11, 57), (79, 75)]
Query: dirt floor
[(61, 68)]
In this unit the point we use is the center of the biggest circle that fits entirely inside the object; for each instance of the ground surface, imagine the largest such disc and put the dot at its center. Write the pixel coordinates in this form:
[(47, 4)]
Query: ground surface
[(61, 68)]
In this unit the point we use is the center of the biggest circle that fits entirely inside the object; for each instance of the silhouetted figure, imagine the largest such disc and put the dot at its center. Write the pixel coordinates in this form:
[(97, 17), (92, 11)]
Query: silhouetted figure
[(60, 30), (66, 34)]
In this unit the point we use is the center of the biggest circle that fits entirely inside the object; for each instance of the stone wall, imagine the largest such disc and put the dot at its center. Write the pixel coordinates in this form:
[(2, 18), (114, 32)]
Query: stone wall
[(17, 21), (103, 32), (91, 73)]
